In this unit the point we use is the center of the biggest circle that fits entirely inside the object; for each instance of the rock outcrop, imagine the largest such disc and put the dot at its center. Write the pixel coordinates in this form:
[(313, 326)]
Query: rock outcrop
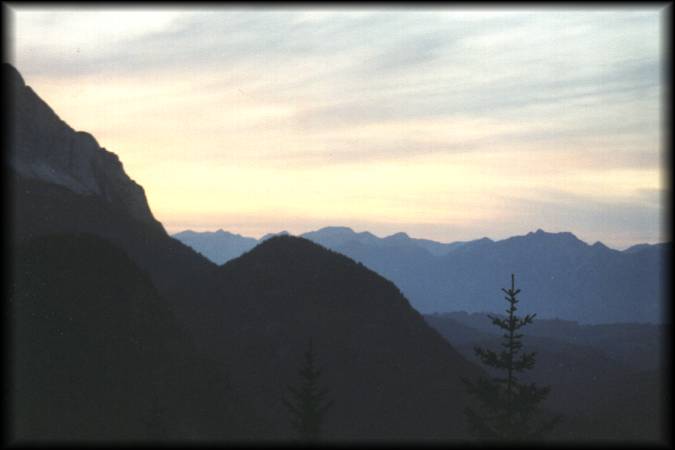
[(43, 147)]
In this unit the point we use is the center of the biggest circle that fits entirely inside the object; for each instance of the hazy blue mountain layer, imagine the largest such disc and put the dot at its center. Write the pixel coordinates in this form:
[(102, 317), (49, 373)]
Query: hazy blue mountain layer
[(561, 275)]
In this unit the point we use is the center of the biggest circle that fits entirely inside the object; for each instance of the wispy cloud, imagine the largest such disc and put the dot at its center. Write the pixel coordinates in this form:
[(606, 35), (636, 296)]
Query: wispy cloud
[(560, 92)]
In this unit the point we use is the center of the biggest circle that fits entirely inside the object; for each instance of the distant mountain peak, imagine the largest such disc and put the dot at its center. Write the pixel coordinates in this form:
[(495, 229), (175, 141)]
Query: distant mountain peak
[(565, 235), (221, 232), (540, 232), (336, 229), (399, 236)]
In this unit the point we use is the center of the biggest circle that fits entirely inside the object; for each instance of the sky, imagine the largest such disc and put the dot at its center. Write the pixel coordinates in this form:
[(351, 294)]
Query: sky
[(445, 123)]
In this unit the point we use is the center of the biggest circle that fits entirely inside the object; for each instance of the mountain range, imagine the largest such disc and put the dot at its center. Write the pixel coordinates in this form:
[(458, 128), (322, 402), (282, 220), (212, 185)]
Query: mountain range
[(561, 276), (121, 333)]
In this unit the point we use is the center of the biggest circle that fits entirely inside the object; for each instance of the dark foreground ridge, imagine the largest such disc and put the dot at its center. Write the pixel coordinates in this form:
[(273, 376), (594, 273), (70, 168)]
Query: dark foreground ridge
[(99, 356)]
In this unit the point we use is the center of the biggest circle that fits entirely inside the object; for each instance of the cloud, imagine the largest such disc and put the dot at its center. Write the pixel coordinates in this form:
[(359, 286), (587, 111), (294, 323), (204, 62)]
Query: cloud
[(569, 95)]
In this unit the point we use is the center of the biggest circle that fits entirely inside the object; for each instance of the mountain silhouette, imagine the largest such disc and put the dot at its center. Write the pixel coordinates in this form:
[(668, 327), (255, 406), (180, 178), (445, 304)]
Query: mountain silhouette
[(565, 277), (99, 356), (391, 375), (242, 327)]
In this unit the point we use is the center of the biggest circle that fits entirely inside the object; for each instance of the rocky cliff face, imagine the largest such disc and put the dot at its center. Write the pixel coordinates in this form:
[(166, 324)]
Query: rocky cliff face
[(43, 147)]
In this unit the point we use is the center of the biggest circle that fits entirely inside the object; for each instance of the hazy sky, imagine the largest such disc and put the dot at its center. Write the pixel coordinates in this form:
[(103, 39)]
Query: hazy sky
[(447, 124)]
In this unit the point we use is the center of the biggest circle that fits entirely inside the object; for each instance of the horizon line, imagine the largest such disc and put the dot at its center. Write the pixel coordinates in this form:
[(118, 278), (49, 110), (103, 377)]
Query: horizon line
[(299, 234)]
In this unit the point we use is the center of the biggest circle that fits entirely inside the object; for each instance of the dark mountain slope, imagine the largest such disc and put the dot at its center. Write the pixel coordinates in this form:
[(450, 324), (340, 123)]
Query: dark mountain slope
[(98, 356), (38, 209), (61, 181), (390, 374)]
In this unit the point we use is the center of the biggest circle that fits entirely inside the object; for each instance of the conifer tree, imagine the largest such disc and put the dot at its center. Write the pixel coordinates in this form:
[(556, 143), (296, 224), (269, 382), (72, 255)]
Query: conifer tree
[(508, 405), (308, 403)]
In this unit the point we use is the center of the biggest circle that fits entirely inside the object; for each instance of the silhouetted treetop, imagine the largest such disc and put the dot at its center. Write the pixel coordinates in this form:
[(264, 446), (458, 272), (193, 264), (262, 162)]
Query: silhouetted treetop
[(507, 405)]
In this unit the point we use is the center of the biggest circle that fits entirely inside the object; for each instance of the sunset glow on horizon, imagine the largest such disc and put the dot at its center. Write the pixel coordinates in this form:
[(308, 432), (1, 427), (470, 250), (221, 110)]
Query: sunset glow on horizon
[(446, 124)]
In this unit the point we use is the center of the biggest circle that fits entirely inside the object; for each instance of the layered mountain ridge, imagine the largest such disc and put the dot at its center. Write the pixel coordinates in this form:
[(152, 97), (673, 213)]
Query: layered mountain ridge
[(562, 276)]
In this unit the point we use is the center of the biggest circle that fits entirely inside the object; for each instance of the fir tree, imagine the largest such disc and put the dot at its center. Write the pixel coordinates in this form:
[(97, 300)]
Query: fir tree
[(308, 404), (508, 405)]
